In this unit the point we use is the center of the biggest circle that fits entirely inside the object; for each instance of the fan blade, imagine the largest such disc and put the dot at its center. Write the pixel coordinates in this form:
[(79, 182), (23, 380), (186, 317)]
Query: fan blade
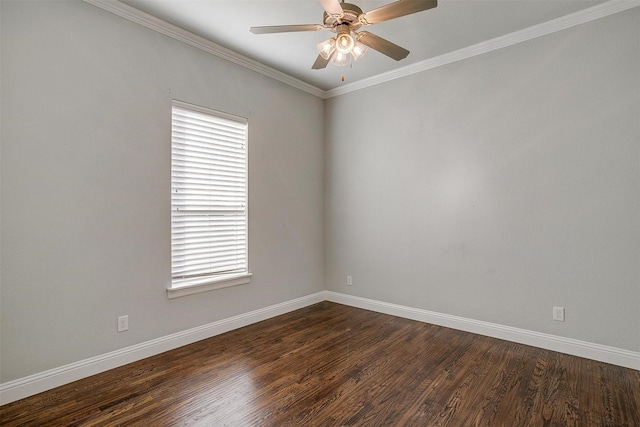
[(396, 10), (383, 46), (333, 8), (320, 63), (286, 28)]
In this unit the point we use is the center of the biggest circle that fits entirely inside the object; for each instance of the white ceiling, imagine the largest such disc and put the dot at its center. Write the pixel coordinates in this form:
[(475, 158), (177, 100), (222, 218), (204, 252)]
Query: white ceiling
[(453, 25)]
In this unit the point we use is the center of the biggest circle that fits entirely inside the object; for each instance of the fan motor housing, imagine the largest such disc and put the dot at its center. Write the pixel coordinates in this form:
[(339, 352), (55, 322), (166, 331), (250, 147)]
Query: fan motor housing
[(351, 12)]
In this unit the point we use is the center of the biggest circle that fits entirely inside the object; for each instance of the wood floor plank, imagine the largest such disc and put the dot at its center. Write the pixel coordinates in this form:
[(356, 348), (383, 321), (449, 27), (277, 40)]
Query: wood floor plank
[(330, 365)]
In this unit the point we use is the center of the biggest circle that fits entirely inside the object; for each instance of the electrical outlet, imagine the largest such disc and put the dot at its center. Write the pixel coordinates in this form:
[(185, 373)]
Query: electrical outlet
[(123, 323), (349, 281), (558, 314)]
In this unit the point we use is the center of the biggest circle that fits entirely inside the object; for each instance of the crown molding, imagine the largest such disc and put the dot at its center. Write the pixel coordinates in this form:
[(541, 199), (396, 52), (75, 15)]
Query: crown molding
[(132, 14), (587, 15)]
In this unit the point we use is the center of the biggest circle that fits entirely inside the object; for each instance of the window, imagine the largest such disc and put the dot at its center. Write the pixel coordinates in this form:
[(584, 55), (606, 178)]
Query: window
[(208, 200)]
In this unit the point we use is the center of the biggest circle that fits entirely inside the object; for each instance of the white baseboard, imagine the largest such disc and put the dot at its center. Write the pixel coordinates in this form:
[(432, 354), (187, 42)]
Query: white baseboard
[(602, 353), (43, 381)]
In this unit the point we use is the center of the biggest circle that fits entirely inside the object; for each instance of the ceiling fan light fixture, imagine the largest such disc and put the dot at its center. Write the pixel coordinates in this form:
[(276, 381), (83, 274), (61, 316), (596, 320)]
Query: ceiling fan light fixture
[(346, 19), (341, 59), (344, 43), (358, 51), (327, 47)]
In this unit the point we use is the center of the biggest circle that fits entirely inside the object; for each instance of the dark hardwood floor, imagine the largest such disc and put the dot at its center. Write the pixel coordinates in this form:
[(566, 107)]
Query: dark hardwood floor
[(333, 365)]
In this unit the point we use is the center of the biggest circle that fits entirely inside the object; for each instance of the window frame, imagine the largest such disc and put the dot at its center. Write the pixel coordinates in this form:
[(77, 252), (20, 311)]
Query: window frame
[(187, 286)]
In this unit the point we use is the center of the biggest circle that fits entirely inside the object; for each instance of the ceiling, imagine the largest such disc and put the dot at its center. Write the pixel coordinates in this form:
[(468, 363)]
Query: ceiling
[(453, 25)]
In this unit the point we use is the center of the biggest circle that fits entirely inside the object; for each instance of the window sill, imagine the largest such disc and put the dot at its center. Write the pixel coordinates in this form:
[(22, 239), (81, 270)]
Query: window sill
[(208, 285)]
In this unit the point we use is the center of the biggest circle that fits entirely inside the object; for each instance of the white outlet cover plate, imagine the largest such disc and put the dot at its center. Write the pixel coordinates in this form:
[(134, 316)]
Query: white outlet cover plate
[(558, 314), (123, 323)]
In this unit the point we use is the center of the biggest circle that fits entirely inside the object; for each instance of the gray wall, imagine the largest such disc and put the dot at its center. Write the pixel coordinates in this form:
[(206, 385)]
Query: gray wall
[(496, 187), (86, 107)]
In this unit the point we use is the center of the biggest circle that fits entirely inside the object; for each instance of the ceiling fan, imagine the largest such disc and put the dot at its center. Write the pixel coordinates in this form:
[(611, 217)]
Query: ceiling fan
[(345, 19)]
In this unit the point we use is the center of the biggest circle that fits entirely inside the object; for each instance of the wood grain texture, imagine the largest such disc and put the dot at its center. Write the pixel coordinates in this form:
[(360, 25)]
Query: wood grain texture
[(333, 365)]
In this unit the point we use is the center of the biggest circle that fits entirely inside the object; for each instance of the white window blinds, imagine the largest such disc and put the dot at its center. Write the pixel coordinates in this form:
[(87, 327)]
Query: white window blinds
[(209, 195)]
